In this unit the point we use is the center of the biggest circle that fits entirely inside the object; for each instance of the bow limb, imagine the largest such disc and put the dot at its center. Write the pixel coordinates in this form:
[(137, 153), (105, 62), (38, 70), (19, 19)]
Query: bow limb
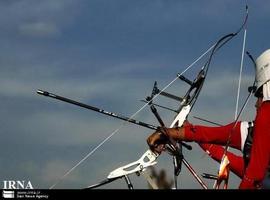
[(224, 168)]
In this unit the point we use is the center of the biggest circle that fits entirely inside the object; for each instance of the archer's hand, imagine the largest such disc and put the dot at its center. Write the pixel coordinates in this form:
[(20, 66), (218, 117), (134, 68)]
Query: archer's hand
[(161, 137), (157, 141)]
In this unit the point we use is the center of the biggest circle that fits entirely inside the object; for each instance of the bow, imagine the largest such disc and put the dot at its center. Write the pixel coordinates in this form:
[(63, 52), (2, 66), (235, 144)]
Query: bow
[(186, 102)]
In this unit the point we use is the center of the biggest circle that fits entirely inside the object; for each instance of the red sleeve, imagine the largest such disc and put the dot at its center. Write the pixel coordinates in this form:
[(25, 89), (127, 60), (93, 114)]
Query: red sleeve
[(260, 151), (216, 152), (214, 135)]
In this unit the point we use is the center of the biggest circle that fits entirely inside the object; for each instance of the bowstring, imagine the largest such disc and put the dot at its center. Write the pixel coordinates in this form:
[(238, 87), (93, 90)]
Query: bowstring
[(237, 115)]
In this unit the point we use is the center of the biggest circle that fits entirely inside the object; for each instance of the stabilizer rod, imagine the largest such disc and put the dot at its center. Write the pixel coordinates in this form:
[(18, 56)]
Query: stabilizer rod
[(149, 126), (47, 94)]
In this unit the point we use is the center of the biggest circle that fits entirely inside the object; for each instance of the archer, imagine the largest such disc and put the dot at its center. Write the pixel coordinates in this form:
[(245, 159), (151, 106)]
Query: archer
[(254, 165)]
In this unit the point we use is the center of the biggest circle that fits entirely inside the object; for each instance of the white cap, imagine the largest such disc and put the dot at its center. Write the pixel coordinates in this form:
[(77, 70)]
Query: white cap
[(263, 68)]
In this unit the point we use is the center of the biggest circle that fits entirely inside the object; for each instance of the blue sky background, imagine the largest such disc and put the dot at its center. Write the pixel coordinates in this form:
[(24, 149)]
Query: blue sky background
[(108, 53)]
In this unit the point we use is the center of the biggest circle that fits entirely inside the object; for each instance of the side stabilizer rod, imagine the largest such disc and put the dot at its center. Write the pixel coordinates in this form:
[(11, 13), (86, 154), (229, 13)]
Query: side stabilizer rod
[(168, 95), (164, 107)]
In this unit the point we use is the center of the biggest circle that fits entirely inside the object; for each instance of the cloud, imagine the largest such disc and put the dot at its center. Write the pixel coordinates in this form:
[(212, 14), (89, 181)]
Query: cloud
[(39, 29), (35, 18), (52, 169)]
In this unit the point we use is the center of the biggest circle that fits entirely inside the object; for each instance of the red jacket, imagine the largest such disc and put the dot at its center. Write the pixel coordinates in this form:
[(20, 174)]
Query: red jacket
[(260, 152)]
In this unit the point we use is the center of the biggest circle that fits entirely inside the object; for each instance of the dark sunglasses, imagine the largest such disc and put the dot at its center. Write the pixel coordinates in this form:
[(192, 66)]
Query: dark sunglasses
[(259, 93)]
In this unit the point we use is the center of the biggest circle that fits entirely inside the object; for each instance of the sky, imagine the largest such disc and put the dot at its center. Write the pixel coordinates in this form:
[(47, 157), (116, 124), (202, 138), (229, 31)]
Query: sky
[(108, 53)]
